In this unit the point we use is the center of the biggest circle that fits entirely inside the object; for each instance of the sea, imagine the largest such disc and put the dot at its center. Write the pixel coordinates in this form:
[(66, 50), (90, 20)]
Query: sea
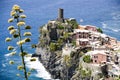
[(100, 13)]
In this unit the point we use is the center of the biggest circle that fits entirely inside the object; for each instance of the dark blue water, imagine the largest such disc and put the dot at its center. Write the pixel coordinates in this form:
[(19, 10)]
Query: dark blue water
[(101, 13)]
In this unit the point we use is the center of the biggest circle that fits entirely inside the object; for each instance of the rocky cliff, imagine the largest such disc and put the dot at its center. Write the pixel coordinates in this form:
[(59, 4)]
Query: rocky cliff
[(49, 50), (63, 68)]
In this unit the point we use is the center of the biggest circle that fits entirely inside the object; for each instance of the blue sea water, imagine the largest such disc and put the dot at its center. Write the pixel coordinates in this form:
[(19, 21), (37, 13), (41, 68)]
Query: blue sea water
[(101, 13)]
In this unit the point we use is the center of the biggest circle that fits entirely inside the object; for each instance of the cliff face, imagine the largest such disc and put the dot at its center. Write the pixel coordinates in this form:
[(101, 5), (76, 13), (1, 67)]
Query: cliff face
[(50, 62), (58, 68)]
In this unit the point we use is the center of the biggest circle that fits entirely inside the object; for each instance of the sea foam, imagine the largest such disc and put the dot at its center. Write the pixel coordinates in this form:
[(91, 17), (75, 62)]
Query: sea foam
[(41, 71), (9, 54), (104, 25), (3, 65)]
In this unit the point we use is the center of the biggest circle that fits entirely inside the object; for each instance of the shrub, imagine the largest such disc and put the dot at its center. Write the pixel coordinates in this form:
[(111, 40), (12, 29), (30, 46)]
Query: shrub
[(87, 59)]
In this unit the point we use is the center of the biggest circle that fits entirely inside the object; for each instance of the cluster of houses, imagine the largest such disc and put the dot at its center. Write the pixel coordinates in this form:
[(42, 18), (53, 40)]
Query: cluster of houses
[(104, 49)]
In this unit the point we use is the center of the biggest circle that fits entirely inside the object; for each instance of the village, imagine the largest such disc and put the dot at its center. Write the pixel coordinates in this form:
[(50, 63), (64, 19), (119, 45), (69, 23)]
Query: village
[(104, 49), (67, 36)]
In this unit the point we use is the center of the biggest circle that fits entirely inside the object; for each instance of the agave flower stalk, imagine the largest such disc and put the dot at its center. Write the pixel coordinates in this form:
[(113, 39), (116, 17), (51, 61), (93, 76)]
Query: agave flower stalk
[(18, 16)]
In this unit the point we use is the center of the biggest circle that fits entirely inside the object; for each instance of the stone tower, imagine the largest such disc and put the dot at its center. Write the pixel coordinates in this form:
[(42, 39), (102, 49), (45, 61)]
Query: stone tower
[(60, 15)]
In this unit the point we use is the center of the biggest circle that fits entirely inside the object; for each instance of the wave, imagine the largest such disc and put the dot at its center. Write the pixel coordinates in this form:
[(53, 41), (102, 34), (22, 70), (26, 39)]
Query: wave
[(41, 71), (9, 54), (116, 30), (104, 25), (116, 15), (3, 65)]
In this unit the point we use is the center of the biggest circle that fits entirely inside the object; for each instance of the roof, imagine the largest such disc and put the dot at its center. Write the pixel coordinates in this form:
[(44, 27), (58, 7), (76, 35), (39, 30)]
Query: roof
[(90, 26), (95, 33), (100, 53), (82, 39), (103, 35), (82, 26), (78, 30)]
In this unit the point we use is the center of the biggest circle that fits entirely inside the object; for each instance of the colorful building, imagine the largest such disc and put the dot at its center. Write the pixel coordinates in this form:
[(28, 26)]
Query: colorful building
[(99, 58)]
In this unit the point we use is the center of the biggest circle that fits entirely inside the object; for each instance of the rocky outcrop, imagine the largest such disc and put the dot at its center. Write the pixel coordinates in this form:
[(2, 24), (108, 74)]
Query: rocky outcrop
[(58, 52), (55, 64)]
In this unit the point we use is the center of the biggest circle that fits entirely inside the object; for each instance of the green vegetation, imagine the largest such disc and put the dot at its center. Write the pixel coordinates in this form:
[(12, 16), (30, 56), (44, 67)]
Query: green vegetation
[(73, 24), (59, 43), (99, 30), (67, 60), (60, 26), (74, 43), (85, 73), (53, 46), (21, 36), (65, 35), (117, 78), (87, 59), (67, 64)]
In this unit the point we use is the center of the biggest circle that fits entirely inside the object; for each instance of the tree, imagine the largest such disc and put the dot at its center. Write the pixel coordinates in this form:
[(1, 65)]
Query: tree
[(73, 24), (59, 43), (18, 33), (53, 46), (67, 60), (84, 72), (99, 30), (87, 59), (73, 42), (60, 26)]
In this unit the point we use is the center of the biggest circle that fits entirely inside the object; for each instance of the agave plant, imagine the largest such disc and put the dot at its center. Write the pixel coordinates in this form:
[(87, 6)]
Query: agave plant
[(23, 37)]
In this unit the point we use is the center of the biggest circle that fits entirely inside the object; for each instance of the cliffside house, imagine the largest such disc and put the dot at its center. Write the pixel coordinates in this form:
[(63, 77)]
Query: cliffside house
[(112, 43), (99, 58), (91, 28), (82, 37)]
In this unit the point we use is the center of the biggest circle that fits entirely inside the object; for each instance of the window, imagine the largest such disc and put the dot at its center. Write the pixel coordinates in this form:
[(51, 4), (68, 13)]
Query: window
[(79, 36), (95, 60), (95, 56)]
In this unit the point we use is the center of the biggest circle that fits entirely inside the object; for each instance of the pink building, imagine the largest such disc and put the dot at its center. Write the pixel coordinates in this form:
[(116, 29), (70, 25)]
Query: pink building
[(99, 58), (82, 42), (91, 28), (82, 37)]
